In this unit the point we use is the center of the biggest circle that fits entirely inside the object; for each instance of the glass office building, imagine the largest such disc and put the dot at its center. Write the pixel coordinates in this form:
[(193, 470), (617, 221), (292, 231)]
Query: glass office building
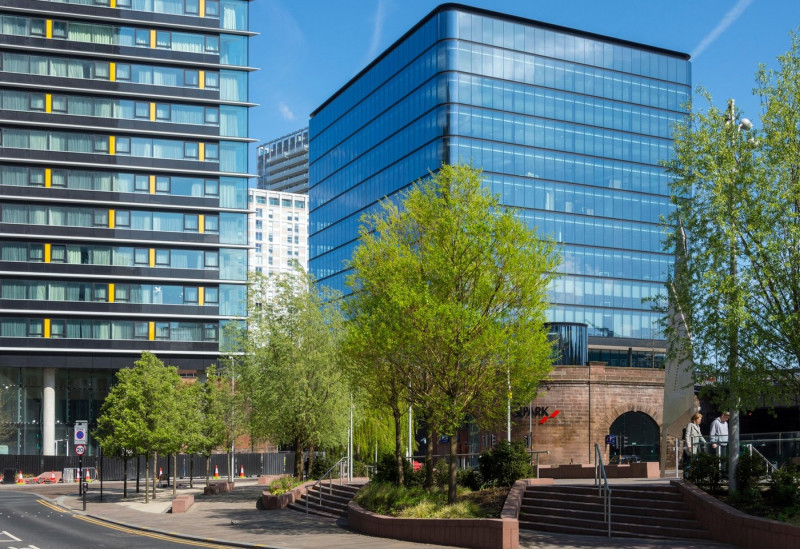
[(569, 129), (123, 177)]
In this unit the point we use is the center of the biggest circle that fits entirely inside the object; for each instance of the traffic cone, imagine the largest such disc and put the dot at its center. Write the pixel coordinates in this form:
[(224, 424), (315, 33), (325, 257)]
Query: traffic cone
[(216, 472), (160, 472), (88, 478), (19, 480), (241, 472), (53, 477)]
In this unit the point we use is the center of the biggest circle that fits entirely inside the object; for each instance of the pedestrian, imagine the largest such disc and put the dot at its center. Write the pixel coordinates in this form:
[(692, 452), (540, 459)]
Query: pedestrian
[(719, 433), (693, 438)]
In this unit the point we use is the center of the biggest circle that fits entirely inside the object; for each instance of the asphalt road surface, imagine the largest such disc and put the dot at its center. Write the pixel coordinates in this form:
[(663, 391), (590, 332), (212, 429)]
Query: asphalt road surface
[(28, 521)]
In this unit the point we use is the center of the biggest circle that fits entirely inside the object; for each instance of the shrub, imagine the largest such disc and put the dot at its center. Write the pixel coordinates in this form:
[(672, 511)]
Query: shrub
[(783, 485), (321, 466), (470, 478), (387, 469), (704, 471), (504, 464), (441, 472), (749, 472)]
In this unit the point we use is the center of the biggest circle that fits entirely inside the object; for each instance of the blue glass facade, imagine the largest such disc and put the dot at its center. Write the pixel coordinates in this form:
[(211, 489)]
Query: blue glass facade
[(568, 127)]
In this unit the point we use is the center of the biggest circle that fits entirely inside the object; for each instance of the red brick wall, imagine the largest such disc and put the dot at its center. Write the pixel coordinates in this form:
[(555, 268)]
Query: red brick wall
[(571, 435)]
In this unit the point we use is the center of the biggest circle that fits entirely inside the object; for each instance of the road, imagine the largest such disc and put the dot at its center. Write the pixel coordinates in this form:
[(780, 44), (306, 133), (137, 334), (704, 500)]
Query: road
[(27, 521)]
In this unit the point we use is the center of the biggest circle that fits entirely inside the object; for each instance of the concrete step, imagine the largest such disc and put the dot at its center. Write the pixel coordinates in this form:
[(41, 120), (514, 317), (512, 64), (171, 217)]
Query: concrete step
[(688, 523), (534, 506)]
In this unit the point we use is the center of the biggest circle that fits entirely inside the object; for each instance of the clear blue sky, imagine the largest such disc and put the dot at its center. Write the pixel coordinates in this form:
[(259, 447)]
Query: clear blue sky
[(308, 49)]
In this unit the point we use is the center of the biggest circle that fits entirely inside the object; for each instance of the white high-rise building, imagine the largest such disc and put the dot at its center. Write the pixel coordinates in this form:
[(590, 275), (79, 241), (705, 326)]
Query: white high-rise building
[(277, 230)]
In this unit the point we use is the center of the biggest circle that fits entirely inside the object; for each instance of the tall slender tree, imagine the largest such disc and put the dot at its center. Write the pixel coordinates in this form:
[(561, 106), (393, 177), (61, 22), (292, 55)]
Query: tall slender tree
[(450, 289), (736, 191)]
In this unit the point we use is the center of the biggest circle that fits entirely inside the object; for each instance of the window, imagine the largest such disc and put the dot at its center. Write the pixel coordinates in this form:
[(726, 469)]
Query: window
[(36, 253), (259, 213), (190, 295), (162, 184), (212, 44), (35, 328), (212, 259), (299, 204), (191, 150), (141, 110), (58, 254), (100, 144), (36, 177), (162, 330), (212, 295), (286, 203), (212, 80), (163, 39), (212, 224), (212, 151), (212, 187), (191, 78), (141, 184), (123, 72), (192, 7), (259, 224), (190, 223), (56, 329), (37, 27), (141, 330), (212, 8), (37, 102), (212, 116), (162, 258), (142, 37), (59, 29), (163, 112), (259, 236), (59, 103), (123, 218), (100, 292), (273, 201), (101, 218), (141, 256), (123, 145)]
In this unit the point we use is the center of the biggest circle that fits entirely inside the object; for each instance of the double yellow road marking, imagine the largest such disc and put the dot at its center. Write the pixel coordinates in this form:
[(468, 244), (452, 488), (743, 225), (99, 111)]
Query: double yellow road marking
[(133, 531)]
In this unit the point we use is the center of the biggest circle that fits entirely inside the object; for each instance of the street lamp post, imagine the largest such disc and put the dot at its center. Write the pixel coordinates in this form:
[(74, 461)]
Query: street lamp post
[(733, 335)]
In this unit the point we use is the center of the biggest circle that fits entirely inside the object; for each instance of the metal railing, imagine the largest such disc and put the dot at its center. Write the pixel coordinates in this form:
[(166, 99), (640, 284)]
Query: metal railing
[(770, 466), (603, 490), (341, 464)]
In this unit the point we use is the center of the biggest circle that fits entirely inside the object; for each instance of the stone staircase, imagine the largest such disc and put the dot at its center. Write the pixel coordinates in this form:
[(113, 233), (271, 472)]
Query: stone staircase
[(335, 498), (642, 511)]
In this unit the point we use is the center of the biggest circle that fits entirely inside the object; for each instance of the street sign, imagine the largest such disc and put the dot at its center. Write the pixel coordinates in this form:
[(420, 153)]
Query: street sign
[(611, 439), (81, 432), (80, 449)]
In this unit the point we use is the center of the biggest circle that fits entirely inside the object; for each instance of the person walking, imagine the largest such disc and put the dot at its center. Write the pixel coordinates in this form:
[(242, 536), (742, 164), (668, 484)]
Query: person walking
[(719, 433), (693, 438)]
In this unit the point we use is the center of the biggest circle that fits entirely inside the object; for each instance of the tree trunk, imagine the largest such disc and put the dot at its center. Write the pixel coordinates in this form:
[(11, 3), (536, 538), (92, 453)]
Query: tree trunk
[(125, 478), (146, 479), (451, 488), (311, 450), (208, 470), (398, 444), (174, 475), (228, 464), (191, 471), (138, 471), (298, 459), (155, 473), (428, 456)]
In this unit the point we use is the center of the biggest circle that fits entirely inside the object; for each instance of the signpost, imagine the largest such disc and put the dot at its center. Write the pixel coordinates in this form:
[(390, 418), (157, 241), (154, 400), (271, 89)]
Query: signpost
[(80, 439)]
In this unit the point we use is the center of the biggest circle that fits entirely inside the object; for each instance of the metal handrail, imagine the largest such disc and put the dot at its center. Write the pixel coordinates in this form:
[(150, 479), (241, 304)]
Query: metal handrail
[(770, 465), (340, 464), (598, 469)]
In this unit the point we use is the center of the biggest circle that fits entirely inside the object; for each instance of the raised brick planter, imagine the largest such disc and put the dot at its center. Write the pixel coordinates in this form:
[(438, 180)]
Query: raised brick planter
[(729, 525), (514, 499), (182, 503), (271, 502), (502, 533), (649, 469), (218, 488), (266, 480)]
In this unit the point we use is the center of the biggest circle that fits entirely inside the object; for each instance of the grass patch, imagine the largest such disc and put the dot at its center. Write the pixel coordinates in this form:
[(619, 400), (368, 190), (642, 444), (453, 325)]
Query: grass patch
[(399, 501)]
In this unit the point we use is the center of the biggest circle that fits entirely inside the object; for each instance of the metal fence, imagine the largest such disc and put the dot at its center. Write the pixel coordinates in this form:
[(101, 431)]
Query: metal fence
[(275, 463)]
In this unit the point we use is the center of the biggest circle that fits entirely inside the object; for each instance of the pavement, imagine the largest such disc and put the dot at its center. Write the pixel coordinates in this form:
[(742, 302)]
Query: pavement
[(233, 519)]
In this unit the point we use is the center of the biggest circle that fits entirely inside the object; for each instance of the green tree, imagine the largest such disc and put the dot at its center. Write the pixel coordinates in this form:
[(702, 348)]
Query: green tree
[(450, 290), (141, 412), (736, 226), (291, 372), (210, 425)]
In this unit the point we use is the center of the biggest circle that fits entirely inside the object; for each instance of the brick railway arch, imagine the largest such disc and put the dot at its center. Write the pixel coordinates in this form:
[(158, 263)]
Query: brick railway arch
[(642, 433)]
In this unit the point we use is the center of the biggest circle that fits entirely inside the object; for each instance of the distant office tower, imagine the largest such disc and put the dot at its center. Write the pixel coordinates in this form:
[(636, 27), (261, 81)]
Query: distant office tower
[(568, 127), (278, 231), (283, 163), (123, 219)]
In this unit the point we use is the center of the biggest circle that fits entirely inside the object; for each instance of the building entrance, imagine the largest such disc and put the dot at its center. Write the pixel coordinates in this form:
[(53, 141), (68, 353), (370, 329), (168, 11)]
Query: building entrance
[(637, 438)]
